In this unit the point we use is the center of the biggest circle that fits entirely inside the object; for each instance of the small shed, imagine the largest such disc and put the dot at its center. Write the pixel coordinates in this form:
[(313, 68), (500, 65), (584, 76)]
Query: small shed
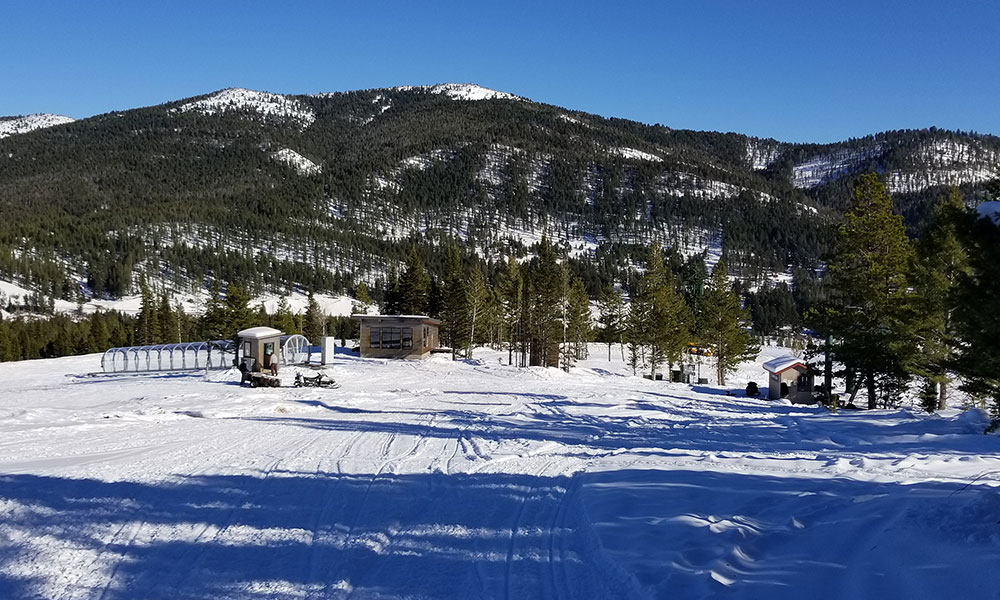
[(256, 346), (398, 336), (794, 376)]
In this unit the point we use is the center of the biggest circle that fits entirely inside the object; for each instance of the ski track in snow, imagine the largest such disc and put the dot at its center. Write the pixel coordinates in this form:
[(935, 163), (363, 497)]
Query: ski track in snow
[(441, 479)]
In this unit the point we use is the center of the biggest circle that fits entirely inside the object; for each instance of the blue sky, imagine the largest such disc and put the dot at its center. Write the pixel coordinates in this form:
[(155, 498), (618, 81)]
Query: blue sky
[(795, 71)]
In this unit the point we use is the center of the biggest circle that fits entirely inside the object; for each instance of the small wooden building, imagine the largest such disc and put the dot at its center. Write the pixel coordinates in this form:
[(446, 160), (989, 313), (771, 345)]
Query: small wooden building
[(789, 377), (398, 336), (257, 344)]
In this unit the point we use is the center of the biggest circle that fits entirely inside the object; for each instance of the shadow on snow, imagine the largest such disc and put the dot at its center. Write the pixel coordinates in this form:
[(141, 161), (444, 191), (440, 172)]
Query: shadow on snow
[(596, 535)]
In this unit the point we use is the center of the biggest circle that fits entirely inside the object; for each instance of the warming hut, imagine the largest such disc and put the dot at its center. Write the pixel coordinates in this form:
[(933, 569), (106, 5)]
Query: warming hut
[(789, 377), (257, 344), (398, 336)]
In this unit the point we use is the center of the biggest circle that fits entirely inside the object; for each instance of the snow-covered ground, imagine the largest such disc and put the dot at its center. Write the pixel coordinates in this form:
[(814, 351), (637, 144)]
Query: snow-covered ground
[(442, 479)]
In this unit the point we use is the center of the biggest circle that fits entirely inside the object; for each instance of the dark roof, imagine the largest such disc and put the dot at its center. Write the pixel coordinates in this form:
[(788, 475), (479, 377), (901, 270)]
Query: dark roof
[(421, 318)]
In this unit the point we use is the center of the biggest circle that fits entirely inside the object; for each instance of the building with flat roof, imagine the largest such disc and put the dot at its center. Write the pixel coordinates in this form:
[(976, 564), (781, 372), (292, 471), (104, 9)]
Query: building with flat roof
[(398, 336)]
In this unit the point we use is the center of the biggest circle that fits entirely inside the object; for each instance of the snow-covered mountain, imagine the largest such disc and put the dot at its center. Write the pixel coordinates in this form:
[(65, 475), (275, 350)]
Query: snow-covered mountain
[(266, 105), (15, 125), (329, 189)]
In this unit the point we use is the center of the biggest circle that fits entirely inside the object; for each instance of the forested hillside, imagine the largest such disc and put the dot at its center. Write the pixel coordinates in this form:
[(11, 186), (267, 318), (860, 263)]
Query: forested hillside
[(323, 192)]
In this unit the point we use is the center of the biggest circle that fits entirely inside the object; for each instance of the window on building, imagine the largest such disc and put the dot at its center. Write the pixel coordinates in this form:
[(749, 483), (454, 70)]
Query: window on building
[(407, 337), (375, 339), (391, 337), (426, 335)]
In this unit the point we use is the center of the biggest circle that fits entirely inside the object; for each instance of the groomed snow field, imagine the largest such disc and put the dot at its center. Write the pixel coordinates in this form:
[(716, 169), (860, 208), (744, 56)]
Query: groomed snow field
[(441, 479)]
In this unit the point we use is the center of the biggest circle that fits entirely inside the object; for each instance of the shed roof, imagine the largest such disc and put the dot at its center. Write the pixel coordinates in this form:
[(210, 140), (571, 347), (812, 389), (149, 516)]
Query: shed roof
[(783, 363), (422, 318), (256, 333)]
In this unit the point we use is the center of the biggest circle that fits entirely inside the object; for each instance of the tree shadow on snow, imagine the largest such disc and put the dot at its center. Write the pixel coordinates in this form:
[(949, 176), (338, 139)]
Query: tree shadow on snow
[(281, 534), (597, 535)]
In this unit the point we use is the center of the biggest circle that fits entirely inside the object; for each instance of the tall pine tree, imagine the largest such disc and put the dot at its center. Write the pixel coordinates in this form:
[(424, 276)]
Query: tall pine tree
[(414, 286), (942, 263), (870, 315), (725, 325), (454, 305), (611, 305)]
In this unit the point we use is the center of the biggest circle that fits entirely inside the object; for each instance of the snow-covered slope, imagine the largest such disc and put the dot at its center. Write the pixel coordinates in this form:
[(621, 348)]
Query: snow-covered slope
[(15, 125), (442, 479), (463, 91), (298, 162), (193, 304), (268, 106)]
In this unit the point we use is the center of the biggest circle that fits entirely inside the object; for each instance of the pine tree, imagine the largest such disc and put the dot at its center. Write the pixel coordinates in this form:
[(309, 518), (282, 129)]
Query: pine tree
[(510, 287), (98, 338), (454, 306), (147, 328), (393, 300), (363, 297), (870, 315), (213, 324), (726, 323), (578, 323), (237, 312), (477, 296), (612, 320), (977, 318), (942, 262), (635, 333), (283, 319), (550, 282), (414, 286), (169, 325), (313, 321), (666, 331)]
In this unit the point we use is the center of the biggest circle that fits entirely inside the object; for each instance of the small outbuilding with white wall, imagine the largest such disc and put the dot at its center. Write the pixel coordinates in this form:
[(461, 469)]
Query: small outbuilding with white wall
[(793, 377), (257, 345)]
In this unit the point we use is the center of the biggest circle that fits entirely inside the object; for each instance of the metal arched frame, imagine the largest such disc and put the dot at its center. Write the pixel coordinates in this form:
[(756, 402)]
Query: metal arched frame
[(217, 354), (295, 349)]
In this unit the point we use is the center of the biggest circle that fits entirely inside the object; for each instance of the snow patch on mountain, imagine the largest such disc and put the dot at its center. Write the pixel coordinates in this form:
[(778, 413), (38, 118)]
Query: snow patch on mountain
[(761, 153), (298, 162), (497, 159), (634, 154), (827, 167), (945, 162), (573, 120), (18, 125), (471, 91), (900, 182), (678, 184), (462, 91), (421, 162), (271, 107)]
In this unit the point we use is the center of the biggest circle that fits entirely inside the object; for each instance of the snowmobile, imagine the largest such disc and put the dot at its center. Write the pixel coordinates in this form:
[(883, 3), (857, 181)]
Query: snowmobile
[(320, 380)]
